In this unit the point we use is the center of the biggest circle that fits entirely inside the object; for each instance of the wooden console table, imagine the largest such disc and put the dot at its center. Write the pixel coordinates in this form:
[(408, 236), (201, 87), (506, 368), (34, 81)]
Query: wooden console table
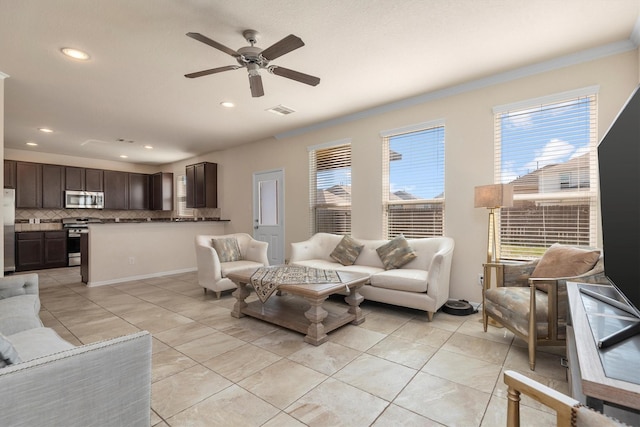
[(588, 380)]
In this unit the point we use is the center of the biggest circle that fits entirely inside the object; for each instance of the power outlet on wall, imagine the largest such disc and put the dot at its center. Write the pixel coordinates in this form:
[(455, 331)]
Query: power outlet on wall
[(480, 279)]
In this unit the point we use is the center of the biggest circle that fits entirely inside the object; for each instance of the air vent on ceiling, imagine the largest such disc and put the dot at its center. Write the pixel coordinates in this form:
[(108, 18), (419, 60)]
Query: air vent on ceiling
[(281, 110), (94, 141)]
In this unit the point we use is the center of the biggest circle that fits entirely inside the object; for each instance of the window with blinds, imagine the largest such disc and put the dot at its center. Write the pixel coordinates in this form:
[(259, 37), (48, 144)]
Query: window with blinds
[(181, 196), (547, 149), (413, 180), (330, 188)]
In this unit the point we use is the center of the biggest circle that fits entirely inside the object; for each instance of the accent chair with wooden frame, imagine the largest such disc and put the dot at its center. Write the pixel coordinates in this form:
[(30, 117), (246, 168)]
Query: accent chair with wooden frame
[(569, 412), (531, 301)]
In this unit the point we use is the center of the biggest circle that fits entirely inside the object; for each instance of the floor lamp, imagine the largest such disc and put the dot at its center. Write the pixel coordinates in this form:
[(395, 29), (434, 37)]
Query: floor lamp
[(493, 197)]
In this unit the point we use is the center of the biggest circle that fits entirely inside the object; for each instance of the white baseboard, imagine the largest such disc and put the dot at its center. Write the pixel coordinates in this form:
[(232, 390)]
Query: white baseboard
[(143, 276)]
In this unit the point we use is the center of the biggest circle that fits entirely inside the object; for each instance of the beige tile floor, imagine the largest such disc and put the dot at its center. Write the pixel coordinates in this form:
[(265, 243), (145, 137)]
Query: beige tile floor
[(210, 369)]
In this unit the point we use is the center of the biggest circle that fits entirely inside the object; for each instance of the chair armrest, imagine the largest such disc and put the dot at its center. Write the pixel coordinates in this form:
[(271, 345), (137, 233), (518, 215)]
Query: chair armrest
[(11, 286), (104, 383), (208, 264), (518, 383), (438, 276)]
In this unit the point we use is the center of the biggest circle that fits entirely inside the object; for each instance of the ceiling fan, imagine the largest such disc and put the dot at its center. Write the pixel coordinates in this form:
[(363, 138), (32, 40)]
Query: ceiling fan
[(253, 59)]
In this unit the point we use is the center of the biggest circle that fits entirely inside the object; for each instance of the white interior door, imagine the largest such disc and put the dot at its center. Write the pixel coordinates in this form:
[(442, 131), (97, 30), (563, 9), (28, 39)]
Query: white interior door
[(268, 212)]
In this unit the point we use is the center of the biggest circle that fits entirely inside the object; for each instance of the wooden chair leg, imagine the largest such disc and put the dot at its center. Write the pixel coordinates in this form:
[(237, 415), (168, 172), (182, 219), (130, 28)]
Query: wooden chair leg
[(218, 293)]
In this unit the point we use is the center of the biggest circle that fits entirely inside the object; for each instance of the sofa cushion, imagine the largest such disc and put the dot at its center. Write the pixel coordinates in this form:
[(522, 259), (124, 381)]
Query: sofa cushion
[(346, 251), (395, 253), (405, 279), (8, 353), (227, 249), (34, 343), (230, 267), (565, 261), (19, 313)]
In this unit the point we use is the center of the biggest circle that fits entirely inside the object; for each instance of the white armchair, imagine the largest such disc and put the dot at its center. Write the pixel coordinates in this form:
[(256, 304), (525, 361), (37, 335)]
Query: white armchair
[(212, 274)]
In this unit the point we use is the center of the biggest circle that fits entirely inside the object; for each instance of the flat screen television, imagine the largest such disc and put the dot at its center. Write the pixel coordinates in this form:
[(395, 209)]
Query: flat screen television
[(619, 168)]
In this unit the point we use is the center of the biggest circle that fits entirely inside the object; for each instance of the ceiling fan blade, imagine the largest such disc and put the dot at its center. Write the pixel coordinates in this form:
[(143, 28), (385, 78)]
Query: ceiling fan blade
[(212, 43), (211, 71), (255, 83), (295, 75), (285, 45)]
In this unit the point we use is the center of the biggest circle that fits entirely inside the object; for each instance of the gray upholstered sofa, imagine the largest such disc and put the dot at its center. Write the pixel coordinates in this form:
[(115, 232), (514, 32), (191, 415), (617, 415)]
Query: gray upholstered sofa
[(422, 283), (45, 380)]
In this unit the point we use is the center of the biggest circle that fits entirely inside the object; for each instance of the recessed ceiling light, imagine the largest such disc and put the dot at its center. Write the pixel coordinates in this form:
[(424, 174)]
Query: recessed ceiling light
[(32, 144), (45, 130), (124, 156), (75, 53), (227, 104), (148, 147)]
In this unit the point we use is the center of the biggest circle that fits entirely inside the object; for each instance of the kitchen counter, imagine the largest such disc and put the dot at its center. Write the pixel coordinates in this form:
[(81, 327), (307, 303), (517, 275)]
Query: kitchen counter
[(115, 252)]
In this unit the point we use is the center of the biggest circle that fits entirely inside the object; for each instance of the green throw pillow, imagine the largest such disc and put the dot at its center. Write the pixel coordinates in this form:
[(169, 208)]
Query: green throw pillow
[(396, 253), (227, 249), (347, 251)]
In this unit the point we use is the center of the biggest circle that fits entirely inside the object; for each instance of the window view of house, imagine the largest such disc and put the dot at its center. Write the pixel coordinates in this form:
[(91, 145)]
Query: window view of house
[(330, 189), (413, 186), (548, 153)]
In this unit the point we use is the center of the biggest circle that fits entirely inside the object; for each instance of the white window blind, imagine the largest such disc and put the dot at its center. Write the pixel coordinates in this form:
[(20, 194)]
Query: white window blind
[(413, 181), (548, 152), (181, 196), (330, 189)]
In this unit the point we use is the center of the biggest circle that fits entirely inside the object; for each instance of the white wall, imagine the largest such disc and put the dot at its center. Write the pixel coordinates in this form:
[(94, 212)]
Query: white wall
[(469, 158)]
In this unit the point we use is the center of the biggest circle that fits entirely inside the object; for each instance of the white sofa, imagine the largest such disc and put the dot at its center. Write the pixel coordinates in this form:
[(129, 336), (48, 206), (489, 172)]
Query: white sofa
[(212, 274), (423, 283), (48, 381)]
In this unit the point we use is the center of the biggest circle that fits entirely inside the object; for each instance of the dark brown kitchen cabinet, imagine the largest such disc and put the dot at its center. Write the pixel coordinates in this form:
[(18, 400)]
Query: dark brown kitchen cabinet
[(138, 191), (28, 185), (93, 180), (161, 191), (82, 179), (53, 178), (202, 185), (116, 190), (37, 250), (9, 174)]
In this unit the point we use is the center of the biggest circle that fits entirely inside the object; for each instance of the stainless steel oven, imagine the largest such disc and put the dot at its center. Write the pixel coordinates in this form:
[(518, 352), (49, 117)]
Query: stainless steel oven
[(76, 227)]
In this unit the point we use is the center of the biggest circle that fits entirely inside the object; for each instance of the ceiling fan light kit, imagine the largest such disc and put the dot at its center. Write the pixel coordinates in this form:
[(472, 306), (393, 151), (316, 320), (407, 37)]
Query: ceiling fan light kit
[(254, 59)]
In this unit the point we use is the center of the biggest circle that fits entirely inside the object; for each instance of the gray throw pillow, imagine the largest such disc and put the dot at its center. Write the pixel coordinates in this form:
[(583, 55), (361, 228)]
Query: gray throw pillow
[(8, 353), (395, 253), (227, 249), (347, 251)]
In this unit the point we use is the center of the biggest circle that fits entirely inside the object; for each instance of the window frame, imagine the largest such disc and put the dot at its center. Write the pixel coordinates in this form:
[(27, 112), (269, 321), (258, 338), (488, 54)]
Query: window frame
[(339, 209), (570, 196), (411, 229)]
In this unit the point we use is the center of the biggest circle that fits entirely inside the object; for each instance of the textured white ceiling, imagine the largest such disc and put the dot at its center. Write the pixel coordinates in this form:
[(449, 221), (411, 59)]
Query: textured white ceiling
[(367, 53)]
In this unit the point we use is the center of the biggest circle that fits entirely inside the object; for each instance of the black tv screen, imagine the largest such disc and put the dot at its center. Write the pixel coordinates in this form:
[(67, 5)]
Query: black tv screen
[(619, 168)]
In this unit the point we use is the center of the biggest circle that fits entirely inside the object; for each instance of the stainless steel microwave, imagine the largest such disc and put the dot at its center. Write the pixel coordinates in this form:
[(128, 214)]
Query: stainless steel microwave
[(84, 199)]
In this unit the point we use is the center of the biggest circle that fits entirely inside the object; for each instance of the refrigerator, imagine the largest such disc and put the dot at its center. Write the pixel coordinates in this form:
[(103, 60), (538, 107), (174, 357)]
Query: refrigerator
[(9, 216)]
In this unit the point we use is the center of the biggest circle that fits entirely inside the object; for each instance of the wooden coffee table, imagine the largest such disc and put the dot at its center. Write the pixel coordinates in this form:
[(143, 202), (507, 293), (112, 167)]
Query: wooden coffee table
[(307, 314)]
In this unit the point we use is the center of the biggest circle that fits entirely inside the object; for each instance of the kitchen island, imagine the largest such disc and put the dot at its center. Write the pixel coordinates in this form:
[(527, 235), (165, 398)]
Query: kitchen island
[(121, 252)]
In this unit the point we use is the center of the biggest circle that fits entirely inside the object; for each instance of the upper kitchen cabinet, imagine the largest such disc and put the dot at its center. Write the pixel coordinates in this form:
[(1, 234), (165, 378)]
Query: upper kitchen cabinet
[(82, 179), (28, 185), (138, 191), (202, 185), (116, 190), (161, 192), (53, 177), (9, 174)]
